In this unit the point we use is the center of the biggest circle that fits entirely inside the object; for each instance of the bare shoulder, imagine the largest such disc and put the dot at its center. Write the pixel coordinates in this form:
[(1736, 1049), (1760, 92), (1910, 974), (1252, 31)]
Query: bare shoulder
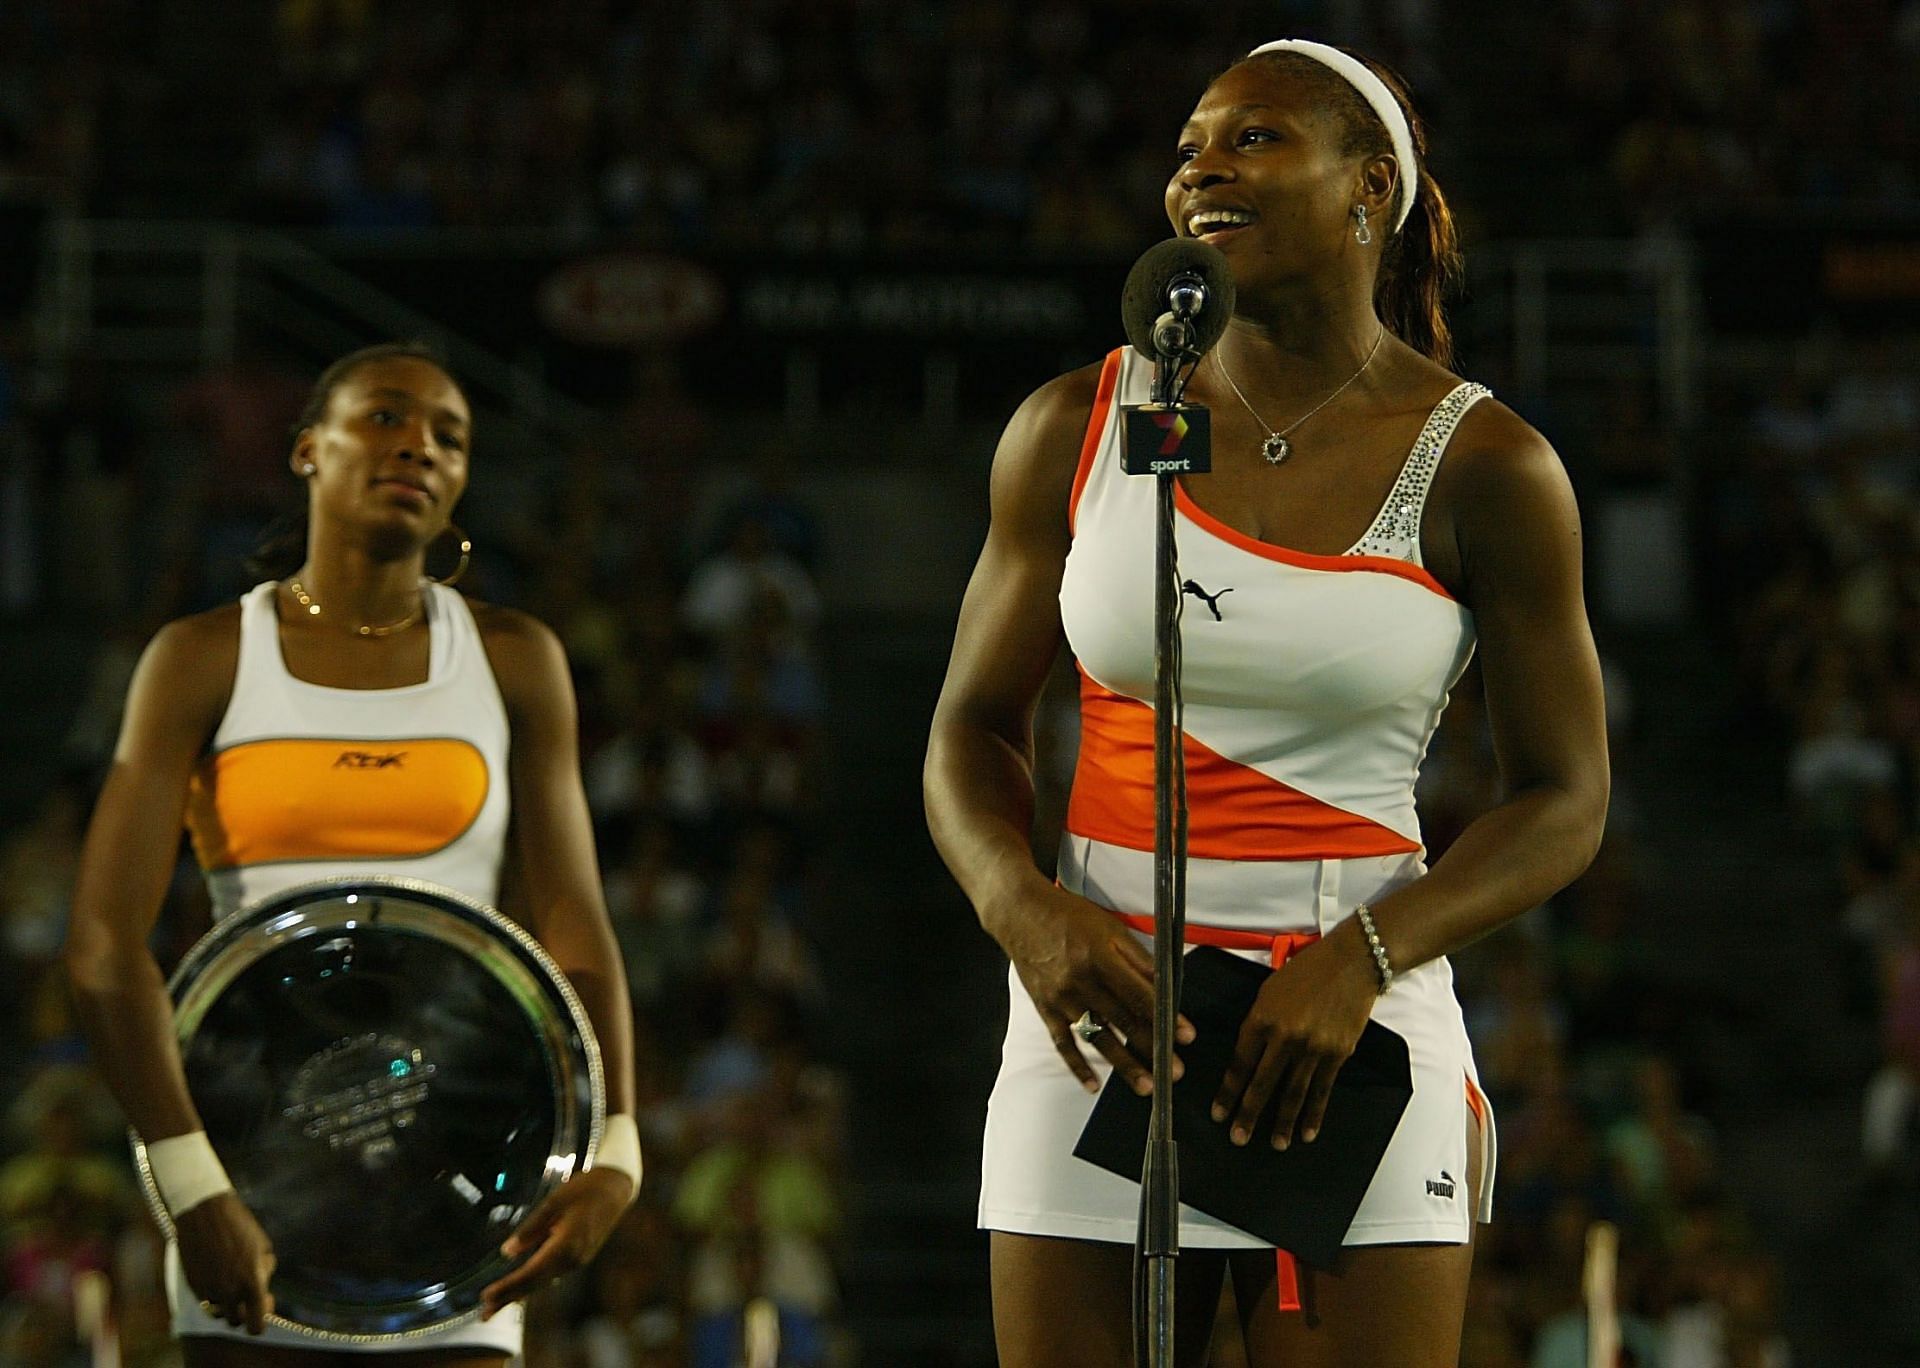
[(527, 657), (1493, 435), (198, 653), (1059, 408), (510, 625), (1494, 444), (1499, 464), (1505, 497), (185, 677), (1039, 452)]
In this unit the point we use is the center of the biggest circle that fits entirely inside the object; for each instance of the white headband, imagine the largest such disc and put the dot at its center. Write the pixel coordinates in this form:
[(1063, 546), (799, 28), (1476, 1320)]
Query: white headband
[(1374, 91)]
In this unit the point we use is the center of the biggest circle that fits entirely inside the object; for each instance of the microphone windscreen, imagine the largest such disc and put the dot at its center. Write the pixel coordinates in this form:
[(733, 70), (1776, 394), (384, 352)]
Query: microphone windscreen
[(1145, 297)]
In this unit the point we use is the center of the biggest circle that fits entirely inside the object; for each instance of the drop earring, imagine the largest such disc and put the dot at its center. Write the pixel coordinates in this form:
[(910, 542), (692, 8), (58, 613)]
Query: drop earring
[(1361, 233)]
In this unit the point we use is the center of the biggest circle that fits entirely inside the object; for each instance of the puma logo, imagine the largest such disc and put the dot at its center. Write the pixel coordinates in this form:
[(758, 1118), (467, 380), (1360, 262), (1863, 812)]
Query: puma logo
[(1211, 600), (1443, 1187), (368, 760)]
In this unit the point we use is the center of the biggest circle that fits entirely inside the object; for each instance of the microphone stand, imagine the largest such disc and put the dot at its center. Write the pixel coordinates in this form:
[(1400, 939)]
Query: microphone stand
[(1158, 1242)]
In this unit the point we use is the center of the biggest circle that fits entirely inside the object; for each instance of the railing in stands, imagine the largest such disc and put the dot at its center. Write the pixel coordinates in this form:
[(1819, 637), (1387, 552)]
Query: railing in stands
[(1575, 312), (1570, 319), (180, 297)]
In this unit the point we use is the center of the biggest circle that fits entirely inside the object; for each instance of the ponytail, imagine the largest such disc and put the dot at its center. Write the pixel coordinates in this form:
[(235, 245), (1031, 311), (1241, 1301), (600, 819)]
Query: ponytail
[(1419, 269)]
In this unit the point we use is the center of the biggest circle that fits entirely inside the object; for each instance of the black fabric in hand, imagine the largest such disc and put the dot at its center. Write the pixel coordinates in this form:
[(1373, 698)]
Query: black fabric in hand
[(1302, 1198)]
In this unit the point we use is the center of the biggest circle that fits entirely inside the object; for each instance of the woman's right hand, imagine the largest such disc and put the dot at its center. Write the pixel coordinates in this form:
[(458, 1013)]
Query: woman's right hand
[(1074, 957), (228, 1260)]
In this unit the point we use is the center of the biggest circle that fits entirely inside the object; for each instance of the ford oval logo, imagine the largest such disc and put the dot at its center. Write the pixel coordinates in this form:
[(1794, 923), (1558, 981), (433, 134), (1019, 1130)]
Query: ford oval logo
[(624, 300)]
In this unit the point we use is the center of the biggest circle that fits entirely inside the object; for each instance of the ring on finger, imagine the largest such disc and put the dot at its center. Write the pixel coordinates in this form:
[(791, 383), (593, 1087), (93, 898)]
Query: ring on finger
[(1087, 1026)]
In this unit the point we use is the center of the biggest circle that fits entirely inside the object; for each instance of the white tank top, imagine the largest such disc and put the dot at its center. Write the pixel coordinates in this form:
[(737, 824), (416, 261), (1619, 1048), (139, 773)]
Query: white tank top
[(306, 782), (1313, 684)]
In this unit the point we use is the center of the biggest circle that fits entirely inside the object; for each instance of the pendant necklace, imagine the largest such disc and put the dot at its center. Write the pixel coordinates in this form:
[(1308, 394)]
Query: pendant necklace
[(1276, 448)]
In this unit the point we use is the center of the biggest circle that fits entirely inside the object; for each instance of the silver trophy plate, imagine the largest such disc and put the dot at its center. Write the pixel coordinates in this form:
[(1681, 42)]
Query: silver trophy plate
[(394, 1076)]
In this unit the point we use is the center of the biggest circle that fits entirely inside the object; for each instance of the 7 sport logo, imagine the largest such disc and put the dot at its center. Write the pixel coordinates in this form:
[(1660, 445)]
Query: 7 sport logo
[(1166, 439)]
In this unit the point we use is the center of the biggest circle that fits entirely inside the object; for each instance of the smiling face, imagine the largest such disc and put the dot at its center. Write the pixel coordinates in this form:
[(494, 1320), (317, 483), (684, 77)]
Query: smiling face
[(389, 451), (1270, 171)]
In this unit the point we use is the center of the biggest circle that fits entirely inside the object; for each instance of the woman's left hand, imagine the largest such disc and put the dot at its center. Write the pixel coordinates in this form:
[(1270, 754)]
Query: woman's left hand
[(1302, 1028), (564, 1233)]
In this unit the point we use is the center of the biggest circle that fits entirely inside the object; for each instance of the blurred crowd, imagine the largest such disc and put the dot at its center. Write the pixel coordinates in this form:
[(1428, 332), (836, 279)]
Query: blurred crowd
[(1588, 1048), (1709, 108), (690, 604), (700, 705), (860, 125), (1816, 529)]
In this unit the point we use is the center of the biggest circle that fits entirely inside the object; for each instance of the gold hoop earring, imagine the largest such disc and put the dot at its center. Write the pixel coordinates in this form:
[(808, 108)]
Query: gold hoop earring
[(466, 555)]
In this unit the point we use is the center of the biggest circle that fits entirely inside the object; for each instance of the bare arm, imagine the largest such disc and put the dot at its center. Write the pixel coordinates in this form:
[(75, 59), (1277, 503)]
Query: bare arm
[(1518, 533), (174, 704), (978, 779), (1518, 552), (559, 873), (560, 880)]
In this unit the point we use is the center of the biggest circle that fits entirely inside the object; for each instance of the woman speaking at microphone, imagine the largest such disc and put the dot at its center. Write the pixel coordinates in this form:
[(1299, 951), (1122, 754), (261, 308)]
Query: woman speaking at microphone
[(1369, 521), (350, 641)]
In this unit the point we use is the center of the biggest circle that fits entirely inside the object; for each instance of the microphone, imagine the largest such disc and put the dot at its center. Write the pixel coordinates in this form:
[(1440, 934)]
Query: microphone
[(1178, 300)]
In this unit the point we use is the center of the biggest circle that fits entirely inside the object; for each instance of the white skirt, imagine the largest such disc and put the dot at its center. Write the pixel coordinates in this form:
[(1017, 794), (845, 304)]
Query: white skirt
[(502, 1334), (1031, 1183)]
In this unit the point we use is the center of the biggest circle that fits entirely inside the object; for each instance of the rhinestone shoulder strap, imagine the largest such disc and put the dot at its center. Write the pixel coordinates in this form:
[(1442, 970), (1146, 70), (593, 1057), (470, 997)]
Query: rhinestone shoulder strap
[(1396, 528)]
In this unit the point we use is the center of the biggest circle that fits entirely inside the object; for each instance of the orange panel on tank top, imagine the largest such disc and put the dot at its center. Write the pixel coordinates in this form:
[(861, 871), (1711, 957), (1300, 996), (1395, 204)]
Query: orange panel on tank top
[(340, 799), (1234, 811)]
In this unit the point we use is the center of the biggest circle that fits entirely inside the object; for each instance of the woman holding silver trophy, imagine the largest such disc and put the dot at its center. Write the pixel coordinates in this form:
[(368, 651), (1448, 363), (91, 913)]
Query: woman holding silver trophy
[(354, 718)]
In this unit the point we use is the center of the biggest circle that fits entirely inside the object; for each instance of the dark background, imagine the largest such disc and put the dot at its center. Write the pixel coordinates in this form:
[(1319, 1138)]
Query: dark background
[(742, 291)]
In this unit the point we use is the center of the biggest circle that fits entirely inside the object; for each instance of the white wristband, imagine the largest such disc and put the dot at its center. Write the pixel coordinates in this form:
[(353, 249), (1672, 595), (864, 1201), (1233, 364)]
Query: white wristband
[(620, 1148), (187, 1171)]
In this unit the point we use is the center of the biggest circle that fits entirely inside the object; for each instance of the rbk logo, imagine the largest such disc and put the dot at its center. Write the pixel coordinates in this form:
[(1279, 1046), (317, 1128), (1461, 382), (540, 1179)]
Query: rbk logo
[(369, 760), (1211, 600), (1175, 426), (1443, 1187)]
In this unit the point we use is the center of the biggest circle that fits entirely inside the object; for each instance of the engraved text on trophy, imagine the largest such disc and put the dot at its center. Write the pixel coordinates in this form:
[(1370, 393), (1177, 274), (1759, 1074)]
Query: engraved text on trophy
[(357, 1092)]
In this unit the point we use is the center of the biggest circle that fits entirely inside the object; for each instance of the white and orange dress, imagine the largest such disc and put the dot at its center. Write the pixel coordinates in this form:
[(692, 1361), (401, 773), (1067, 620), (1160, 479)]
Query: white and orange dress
[(305, 782), (1313, 685)]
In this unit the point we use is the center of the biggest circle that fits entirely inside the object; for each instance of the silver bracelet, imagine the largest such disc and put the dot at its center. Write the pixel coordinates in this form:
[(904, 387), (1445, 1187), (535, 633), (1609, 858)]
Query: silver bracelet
[(1365, 914)]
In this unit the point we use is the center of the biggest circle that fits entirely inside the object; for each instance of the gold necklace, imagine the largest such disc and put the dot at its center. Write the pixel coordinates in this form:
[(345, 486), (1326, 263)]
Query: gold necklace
[(1277, 448), (305, 600)]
